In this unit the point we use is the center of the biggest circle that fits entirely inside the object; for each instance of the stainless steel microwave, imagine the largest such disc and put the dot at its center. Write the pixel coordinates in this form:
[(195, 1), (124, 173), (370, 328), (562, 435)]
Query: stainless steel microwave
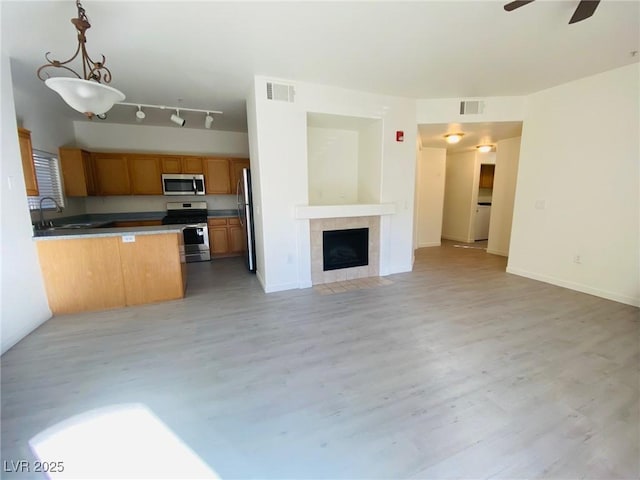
[(182, 184)]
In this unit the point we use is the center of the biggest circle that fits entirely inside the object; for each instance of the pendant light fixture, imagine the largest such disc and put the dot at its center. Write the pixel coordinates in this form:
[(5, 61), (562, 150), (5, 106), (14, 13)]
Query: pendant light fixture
[(86, 93)]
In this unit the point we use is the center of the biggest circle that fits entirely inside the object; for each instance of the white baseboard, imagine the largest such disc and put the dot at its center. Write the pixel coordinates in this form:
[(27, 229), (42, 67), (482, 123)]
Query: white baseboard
[(579, 287), (498, 252), (280, 288), (457, 239), (261, 281), (429, 244)]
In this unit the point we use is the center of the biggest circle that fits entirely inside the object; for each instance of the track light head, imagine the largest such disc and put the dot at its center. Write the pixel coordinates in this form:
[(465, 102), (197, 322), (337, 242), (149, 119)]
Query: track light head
[(177, 119), (140, 115), (208, 121)]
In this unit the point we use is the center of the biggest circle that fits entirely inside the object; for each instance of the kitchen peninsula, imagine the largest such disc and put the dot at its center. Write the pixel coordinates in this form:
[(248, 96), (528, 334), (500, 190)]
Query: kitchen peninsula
[(90, 269)]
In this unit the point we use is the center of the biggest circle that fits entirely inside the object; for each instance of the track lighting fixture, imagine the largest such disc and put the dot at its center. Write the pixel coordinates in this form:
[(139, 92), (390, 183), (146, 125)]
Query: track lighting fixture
[(453, 137), (140, 115), (177, 119)]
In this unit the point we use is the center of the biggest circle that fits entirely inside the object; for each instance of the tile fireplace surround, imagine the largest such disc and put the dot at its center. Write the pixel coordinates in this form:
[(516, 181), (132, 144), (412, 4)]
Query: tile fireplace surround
[(319, 225)]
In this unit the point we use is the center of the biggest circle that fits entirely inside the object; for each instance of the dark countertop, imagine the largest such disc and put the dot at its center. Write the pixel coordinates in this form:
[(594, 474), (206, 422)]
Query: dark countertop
[(130, 216), (68, 233), (96, 224)]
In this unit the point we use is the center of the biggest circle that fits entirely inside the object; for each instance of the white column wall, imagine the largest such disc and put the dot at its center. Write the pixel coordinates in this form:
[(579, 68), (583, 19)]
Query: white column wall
[(24, 301), (280, 137), (504, 190), (430, 173)]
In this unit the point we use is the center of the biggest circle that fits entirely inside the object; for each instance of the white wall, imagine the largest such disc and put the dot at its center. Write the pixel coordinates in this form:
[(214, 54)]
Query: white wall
[(370, 162), (579, 138), (504, 190), (460, 196), (447, 110), (280, 137), (333, 166), (147, 138), (430, 176), (256, 183), (153, 203), (24, 302)]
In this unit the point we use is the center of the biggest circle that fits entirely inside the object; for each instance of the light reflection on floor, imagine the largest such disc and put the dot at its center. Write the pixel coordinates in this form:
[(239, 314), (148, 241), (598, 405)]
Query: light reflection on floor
[(117, 442)]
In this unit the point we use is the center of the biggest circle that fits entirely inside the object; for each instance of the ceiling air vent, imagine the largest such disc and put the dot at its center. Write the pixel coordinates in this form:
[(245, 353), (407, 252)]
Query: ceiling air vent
[(471, 107), (280, 92)]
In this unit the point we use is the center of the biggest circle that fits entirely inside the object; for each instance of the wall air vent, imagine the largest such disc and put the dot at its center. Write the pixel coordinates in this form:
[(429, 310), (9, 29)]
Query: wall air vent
[(471, 107), (280, 92)]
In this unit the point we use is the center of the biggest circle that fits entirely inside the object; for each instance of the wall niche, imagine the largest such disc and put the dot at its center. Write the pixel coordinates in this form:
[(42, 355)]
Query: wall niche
[(344, 159)]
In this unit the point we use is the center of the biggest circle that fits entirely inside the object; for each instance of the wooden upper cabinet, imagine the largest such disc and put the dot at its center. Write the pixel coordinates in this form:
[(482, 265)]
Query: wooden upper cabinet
[(77, 172), (216, 175), (112, 174), (486, 175), (192, 165), (235, 167), (171, 164), (28, 167), (145, 172)]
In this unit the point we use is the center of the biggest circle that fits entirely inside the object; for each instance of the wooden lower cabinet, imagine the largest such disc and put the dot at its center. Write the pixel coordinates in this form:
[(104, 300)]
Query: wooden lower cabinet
[(236, 236), (226, 237), (218, 241), (88, 274)]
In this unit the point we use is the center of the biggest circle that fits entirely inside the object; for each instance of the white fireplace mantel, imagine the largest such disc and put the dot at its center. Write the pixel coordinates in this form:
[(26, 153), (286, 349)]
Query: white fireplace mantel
[(340, 211)]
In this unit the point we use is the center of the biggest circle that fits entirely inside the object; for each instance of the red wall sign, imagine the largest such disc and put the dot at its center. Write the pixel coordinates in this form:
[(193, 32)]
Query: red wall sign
[(399, 136)]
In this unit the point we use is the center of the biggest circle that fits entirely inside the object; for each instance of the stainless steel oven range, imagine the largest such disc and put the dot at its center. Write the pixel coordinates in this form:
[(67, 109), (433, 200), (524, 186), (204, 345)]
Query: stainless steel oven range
[(193, 215)]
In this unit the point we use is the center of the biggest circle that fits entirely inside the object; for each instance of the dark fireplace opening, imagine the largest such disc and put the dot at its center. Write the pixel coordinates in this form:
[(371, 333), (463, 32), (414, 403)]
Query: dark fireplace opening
[(345, 248)]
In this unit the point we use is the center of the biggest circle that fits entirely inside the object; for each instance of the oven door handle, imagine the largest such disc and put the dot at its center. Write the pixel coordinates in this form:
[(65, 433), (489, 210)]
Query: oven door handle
[(196, 225)]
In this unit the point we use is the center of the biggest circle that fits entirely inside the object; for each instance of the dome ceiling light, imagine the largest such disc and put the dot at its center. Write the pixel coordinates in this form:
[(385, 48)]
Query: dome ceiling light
[(484, 148), (453, 138)]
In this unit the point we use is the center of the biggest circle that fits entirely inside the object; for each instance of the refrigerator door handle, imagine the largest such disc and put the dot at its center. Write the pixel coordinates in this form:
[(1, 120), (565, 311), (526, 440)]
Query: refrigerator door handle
[(239, 202)]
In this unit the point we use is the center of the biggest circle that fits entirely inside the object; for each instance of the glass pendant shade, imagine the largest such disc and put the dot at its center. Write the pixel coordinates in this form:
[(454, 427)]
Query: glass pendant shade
[(85, 96)]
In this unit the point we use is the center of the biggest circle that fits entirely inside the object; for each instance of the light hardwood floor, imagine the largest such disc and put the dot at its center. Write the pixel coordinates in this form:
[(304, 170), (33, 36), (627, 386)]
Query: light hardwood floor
[(456, 370)]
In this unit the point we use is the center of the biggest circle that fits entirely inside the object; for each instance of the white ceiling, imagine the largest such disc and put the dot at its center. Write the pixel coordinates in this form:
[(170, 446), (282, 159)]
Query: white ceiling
[(206, 52), (475, 134)]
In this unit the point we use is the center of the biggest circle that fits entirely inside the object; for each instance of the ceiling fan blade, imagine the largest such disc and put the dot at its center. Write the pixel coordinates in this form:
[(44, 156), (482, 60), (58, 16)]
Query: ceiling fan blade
[(585, 10), (517, 4)]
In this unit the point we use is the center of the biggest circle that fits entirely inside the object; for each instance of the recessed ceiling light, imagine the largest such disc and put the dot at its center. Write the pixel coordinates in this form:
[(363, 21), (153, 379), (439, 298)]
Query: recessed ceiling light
[(453, 137)]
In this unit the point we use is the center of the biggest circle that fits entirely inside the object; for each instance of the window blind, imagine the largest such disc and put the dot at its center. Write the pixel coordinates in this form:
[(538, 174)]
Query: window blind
[(49, 184)]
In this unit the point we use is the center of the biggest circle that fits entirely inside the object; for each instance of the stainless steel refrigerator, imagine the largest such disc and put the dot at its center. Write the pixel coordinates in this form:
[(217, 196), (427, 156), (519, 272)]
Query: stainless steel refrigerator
[(245, 213)]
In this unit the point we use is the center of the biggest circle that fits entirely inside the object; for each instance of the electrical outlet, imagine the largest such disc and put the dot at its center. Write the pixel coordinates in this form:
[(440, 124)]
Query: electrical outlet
[(577, 259)]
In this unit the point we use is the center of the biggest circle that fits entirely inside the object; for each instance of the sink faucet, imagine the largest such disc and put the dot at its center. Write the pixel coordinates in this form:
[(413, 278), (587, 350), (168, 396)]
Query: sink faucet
[(58, 209)]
